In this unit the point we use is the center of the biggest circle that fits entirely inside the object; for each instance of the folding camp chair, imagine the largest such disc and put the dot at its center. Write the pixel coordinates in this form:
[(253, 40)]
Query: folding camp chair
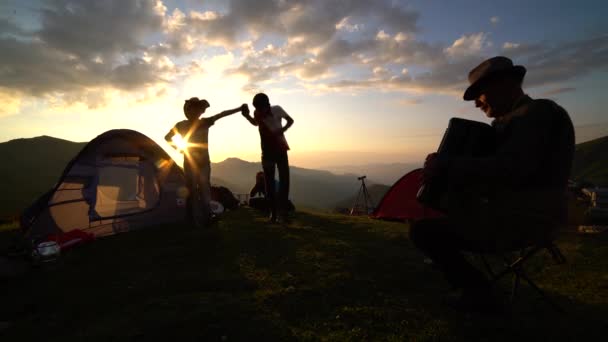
[(515, 266)]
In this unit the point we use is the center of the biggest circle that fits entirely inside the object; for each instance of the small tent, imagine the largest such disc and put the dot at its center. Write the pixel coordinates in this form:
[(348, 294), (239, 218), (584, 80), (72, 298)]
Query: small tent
[(399, 202), (120, 181)]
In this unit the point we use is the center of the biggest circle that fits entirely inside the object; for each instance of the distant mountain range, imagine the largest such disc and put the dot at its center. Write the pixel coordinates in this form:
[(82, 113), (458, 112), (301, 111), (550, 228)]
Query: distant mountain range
[(381, 173), (310, 188), (32, 166)]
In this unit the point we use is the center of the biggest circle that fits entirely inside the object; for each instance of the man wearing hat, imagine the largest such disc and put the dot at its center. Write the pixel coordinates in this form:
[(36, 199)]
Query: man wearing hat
[(194, 134), (526, 176)]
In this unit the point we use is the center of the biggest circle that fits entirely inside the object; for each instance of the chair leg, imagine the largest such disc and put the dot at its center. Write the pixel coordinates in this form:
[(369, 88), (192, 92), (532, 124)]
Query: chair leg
[(516, 267), (509, 268), (514, 288), (487, 266), (542, 293)]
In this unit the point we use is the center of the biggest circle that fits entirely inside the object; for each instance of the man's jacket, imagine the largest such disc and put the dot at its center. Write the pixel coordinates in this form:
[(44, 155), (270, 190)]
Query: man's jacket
[(524, 183)]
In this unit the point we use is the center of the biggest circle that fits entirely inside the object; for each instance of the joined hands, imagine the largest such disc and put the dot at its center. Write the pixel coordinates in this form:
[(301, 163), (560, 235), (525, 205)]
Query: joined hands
[(245, 109)]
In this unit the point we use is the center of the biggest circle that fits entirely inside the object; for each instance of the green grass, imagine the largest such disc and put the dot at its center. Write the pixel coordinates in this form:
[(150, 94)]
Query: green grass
[(8, 226), (326, 277)]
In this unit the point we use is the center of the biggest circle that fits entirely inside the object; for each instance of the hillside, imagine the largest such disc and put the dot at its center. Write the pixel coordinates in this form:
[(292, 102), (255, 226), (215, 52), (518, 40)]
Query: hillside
[(30, 167), (376, 192), (591, 161), (309, 188), (324, 278)]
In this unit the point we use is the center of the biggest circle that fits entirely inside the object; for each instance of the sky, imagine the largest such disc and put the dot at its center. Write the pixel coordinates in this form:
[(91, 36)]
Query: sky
[(365, 81)]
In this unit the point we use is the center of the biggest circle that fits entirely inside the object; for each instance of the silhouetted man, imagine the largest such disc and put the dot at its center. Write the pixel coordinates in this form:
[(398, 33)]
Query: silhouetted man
[(274, 152), (525, 182), (194, 133)]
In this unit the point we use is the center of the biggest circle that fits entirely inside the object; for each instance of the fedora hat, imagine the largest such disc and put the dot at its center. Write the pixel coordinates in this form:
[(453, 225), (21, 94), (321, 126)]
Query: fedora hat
[(488, 69)]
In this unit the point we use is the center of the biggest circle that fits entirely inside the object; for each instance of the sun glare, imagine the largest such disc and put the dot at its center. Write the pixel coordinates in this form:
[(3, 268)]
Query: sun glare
[(180, 142)]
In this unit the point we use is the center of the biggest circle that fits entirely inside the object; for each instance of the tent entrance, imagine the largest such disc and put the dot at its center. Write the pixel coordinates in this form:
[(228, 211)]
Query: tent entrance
[(125, 185)]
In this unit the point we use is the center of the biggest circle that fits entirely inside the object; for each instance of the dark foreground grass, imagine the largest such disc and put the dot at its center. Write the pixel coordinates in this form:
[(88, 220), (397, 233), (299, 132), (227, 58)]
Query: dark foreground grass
[(325, 277)]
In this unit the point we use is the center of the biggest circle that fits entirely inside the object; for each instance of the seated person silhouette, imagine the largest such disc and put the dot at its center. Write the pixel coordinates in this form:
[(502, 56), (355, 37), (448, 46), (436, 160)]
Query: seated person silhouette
[(524, 183), (258, 198), (257, 195)]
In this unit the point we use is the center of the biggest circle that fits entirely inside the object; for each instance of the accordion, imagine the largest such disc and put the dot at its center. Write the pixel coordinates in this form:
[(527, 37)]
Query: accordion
[(464, 138)]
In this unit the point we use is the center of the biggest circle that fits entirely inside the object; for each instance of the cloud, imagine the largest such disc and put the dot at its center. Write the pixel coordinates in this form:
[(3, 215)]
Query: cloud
[(446, 73), (470, 45), (138, 72), (11, 103), (558, 91), (494, 20), (410, 101), (36, 69), (89, 28), (82, 47), (554, 63), (223, 29), (313, 43), (345, 25), (257, 73), (312, 23), (320, 45), (10, 29)]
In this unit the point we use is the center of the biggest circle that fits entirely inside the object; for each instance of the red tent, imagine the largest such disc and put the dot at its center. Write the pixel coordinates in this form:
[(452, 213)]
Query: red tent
[(400, 202)]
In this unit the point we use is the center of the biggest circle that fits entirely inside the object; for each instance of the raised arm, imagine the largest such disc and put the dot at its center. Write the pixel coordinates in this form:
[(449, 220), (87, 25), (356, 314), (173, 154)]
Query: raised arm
[(247, 116), (226, 113)]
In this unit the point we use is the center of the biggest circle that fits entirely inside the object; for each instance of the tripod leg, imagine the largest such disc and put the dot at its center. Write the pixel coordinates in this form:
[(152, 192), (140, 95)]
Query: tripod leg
[(368, 199), (356, 205), (364, 199)]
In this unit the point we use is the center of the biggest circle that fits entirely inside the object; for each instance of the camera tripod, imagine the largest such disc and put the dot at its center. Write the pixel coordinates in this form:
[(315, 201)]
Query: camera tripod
[(363, 203)]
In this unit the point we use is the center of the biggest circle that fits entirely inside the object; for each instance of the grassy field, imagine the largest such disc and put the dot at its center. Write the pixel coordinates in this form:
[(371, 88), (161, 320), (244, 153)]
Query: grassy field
[(326, 277)]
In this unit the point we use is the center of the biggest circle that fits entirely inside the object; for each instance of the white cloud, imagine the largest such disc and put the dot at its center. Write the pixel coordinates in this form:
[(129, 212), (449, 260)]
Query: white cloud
[(175, 21), (509, 45), (345, 25), (381, 35), (205, 16), (465, 46), (380, 72), (401, 37)]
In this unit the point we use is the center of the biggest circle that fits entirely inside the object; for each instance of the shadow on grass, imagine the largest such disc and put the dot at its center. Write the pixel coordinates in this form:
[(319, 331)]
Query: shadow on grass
[(355, 278), (160, 283), (324, 277)]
